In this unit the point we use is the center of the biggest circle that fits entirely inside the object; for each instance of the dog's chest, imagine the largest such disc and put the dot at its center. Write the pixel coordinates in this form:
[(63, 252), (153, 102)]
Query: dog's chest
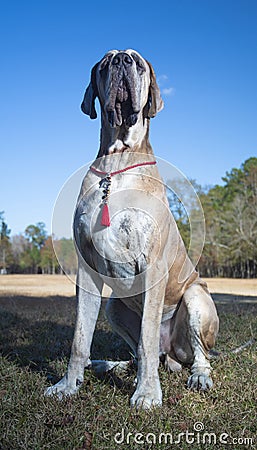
[(119, 249)]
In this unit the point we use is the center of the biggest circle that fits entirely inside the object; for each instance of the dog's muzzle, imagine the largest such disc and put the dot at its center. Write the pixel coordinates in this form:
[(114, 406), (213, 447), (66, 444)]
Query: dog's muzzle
[(123, 103)]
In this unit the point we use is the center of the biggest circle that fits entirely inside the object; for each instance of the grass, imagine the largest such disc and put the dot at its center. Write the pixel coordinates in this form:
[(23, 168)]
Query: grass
[(36, 336)]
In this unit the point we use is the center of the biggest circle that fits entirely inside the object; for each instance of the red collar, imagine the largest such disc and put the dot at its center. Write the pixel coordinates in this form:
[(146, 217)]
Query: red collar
[(105, 184), (100, 172)]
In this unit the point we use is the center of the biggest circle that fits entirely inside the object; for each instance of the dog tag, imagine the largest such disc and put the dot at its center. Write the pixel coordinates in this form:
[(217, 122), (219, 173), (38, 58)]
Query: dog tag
[(105, 184)]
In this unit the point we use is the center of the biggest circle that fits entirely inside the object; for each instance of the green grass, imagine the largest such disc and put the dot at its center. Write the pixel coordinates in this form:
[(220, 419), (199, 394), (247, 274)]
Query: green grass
[(36, 336)]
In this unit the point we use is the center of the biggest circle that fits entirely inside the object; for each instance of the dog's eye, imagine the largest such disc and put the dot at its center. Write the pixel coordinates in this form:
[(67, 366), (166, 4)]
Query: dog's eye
[(139, 63), (140, 68), (103, 66), (104, 63)]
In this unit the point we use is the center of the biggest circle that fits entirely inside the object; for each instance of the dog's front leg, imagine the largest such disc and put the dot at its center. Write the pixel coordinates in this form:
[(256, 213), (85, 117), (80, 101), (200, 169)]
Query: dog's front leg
[(89, 288), (148, 392)]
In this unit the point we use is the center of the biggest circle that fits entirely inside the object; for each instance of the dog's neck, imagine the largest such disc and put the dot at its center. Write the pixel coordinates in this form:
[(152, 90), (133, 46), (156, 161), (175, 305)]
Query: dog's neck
[(129, 143)]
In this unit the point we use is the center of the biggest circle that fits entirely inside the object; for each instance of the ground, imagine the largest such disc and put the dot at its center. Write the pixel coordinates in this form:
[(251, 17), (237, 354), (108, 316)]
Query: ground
[(47, 285), (37, 315)]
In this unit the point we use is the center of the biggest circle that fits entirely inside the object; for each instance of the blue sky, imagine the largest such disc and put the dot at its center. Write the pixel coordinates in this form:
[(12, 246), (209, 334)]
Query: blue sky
[(204, 53)]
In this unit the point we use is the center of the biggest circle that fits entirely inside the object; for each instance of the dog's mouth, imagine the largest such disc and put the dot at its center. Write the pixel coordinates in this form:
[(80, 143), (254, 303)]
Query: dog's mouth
[(122, 107)]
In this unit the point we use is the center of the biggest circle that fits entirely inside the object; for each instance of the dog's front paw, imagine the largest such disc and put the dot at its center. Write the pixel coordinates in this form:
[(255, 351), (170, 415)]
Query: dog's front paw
[(199, 381), (63, 388), (147, 397)]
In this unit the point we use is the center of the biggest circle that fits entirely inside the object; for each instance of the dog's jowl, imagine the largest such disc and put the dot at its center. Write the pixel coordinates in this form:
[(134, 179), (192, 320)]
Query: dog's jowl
[(127, 238)]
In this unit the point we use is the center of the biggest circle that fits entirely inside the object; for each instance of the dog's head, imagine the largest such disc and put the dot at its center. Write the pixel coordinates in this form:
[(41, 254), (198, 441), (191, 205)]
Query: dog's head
[(126, 86)]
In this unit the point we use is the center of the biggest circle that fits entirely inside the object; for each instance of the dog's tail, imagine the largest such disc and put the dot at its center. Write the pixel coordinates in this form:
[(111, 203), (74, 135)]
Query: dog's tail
[(216, 354)]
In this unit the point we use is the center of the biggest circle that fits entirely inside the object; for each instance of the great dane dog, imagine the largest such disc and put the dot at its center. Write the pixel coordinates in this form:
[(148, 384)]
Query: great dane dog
[(126, 237)]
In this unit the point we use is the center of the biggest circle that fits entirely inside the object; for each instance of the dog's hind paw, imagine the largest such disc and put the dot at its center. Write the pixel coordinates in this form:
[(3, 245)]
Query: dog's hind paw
[(118, 367), (199, 381), (171, 365)]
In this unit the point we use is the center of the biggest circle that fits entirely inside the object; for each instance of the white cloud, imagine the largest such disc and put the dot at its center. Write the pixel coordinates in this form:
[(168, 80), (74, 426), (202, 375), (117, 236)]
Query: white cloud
[(168, 91), (161, 79)]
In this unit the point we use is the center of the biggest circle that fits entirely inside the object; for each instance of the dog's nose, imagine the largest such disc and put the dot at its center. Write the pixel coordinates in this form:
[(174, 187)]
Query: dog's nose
[(122, 58)]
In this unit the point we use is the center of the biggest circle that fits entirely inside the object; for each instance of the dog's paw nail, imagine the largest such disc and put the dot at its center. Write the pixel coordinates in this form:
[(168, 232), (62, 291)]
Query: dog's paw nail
[(200, 382), (145, 402)]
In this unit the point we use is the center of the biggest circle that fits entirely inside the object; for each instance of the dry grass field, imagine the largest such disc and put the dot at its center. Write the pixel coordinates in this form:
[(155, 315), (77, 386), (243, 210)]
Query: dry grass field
[(37, 285), (37, 315), (47, 285)]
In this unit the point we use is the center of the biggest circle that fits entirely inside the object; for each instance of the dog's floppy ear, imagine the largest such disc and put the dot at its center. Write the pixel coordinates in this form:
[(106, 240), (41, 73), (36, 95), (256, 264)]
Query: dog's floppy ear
[(88, 103), (155, 102)]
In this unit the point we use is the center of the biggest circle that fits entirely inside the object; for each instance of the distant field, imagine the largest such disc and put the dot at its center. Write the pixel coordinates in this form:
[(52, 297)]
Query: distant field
[(48, 285), (37, 285)]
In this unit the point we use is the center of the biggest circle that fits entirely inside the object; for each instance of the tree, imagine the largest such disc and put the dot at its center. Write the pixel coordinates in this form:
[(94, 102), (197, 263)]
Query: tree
[(241, 220), (36, 236), (180, 215), (19, 247), (5, 246), (66, 254), (231, 224), (48, 262)]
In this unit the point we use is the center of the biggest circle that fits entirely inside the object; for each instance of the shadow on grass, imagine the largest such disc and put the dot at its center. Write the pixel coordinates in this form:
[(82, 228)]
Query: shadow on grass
[(37, 332), (235, 304)]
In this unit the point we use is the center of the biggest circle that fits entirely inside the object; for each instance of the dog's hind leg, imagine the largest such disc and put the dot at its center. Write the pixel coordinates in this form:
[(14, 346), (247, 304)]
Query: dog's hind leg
[(126, 323), (193, 334)]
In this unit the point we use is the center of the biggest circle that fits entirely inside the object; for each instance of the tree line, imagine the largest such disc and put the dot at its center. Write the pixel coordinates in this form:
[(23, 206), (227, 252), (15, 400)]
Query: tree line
[(230, 249), (230, 213), (34, 251)]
